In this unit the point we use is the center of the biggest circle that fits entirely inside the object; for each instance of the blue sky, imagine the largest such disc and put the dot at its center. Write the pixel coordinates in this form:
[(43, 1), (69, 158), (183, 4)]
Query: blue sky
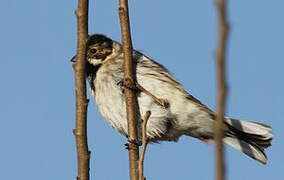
[(37, 86)]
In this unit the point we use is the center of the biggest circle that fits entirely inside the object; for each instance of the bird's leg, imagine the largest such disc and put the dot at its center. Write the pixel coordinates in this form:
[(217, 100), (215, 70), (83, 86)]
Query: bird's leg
[(162, 102), (128, 83)]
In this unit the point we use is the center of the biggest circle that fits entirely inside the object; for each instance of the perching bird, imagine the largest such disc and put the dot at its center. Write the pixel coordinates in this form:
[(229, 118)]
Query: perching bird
[(174, 112)]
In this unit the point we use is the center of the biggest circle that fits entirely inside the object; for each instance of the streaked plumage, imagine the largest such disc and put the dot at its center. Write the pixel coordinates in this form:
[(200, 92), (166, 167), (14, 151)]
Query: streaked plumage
[(185, 114)]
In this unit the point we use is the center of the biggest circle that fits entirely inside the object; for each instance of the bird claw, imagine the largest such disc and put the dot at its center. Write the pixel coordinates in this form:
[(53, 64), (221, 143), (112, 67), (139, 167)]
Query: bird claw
[(135, 141), (130, 84), (132, 144), (127, 83), (126, 146)]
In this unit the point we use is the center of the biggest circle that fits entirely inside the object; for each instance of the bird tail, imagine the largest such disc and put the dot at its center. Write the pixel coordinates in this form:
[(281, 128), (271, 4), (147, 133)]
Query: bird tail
[(250, 138)]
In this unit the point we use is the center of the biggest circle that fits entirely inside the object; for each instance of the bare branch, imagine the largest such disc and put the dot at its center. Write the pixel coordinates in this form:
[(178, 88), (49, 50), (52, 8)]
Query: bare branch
[(144, 145), (80, 132), (221, 6), (131, 99)]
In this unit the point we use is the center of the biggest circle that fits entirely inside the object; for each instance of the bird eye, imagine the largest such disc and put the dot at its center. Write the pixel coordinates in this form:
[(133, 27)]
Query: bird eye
[(93, 51)]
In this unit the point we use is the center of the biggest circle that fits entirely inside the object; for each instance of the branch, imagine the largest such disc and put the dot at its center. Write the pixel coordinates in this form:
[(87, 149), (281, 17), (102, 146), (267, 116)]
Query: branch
[(131, 99), (80, 131), (144, 145), (222, 87)]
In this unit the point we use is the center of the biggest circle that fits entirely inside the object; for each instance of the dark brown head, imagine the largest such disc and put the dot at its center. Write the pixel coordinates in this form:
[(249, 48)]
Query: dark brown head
[(99, 47)]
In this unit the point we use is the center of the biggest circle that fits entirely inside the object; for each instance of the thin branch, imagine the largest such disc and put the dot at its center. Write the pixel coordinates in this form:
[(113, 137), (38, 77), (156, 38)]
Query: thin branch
[(221, 6), (80, 131), (144, 145), (131, 99)]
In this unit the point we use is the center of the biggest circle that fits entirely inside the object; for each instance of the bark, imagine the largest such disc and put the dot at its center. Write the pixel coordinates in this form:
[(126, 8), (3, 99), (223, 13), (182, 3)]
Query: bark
[(80, 131), (131, 99), (222, 88)]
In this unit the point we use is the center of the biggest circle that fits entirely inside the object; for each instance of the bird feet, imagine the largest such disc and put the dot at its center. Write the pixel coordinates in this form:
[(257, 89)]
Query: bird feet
[(130, 84), (132, 144)]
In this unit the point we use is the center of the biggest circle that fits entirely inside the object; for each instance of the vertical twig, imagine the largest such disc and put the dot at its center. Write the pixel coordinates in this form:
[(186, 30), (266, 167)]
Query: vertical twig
[(131, 99), (144, 145), (80, 131), (221, 6)]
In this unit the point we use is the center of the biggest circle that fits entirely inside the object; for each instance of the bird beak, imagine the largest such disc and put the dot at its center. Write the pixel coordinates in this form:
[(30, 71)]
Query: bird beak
[(74, 59)]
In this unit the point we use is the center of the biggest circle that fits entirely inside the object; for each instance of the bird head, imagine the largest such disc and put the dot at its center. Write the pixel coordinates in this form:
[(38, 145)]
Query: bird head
[(99, 48)]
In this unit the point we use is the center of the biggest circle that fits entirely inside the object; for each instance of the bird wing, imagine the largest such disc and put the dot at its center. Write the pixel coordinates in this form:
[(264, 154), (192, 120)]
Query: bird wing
[(151, 68)]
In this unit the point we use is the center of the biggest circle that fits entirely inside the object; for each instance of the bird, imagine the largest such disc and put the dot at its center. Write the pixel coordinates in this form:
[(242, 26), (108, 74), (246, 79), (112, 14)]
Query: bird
[(174, 112)]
